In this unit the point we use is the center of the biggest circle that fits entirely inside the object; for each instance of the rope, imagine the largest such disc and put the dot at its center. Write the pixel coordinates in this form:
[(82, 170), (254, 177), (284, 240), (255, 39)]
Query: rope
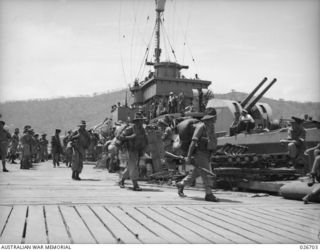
[(119, 35), (172, 50), (142, 65)]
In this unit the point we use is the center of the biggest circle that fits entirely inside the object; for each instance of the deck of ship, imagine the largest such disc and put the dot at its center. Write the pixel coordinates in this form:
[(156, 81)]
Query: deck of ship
[(43, 205)]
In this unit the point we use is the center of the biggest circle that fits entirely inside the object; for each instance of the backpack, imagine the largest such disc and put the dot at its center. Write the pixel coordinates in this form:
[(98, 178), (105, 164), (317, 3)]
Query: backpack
[(185, 130)]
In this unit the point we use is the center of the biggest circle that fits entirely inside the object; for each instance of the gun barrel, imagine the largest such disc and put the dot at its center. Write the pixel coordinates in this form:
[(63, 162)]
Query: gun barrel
[(251, 104), (247, 99)]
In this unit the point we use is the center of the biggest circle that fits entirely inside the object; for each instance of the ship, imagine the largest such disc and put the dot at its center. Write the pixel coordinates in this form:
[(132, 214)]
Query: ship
[(257, 155)]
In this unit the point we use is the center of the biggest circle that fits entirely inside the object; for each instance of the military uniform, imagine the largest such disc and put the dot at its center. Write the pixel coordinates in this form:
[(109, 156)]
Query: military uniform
[(4, 143), (167, 143), (56, 148), (14, 146), (26, 149), (36, 148), (80, 142), (297, 134), (204, 142), (314, 175), (44, 148), (67, 147), (137, 142)]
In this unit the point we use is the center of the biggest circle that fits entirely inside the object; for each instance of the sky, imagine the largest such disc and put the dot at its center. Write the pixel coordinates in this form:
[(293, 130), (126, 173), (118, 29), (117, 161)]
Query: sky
[(57, 48)]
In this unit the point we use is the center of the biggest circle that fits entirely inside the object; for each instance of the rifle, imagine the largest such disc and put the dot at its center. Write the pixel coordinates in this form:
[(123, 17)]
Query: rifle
[(171, 155)]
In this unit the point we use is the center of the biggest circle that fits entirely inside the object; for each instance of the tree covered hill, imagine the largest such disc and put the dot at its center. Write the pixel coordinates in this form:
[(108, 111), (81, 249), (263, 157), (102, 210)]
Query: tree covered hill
[(66, 113)]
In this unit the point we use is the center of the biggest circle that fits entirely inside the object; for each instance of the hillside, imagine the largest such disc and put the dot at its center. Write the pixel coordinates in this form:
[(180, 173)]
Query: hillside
[(66, 113)]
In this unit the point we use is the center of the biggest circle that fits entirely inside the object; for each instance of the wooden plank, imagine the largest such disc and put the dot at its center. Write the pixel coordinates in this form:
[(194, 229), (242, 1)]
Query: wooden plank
[(185, 233), (13, 232), (144, 235), (310, 214), (4, 214), (175, 215), (309, 227), (217, 218), (77, 229), (253, 227), (120, 232), (36, 230), (158, 229), (303, 220), (300, 236), (229, 233), (213, 233), (299, 227), (308, 217), (101, 234), (268, 225), (57, 232)]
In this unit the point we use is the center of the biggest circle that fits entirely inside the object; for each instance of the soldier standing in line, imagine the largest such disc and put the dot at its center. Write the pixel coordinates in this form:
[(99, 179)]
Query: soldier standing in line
[(56, 148), (26, 151), (36, 148), (67, 142), (14, 146), (203, 143), (44, 148), (4, 143), (80, 142), (137, 142)]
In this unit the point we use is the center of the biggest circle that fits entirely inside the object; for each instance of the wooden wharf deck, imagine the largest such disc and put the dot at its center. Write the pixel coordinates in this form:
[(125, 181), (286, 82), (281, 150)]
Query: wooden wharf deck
[(43, 205)]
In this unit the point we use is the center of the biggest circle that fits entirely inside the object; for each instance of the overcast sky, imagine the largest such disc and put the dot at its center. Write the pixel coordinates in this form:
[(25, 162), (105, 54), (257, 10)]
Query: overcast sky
[(54, 48)]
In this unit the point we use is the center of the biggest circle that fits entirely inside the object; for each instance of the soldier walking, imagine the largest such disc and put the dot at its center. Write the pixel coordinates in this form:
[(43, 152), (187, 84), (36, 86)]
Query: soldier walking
[(203, 143), (137, 142), (56, 148), (80, 142), (4, 143), (14, 146)]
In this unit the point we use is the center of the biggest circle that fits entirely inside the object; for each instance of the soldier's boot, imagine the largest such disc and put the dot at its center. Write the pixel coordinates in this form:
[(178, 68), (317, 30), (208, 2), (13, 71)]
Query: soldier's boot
[(306, 198), (121, 183), (211, 197), (5, 170), (77, 176), (136, 186), (311, 180), (73, 175), (180, 189), (12, 160)]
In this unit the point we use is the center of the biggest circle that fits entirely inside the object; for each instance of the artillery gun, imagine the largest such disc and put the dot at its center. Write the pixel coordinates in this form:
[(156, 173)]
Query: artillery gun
[(264, 158)]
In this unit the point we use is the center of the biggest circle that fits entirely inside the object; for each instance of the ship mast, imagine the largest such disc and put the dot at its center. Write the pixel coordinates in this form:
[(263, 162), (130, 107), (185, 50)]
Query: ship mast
[(159, 9)]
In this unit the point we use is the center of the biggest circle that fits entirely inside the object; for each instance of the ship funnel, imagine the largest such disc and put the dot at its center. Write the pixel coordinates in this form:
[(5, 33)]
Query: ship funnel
[(160, 5), (247, 99), (252, 104)]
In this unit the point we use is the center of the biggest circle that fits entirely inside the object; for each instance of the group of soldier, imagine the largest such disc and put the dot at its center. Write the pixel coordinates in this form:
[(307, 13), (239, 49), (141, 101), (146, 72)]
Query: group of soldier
[(172, 104), (202, 144), (32, 149)]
